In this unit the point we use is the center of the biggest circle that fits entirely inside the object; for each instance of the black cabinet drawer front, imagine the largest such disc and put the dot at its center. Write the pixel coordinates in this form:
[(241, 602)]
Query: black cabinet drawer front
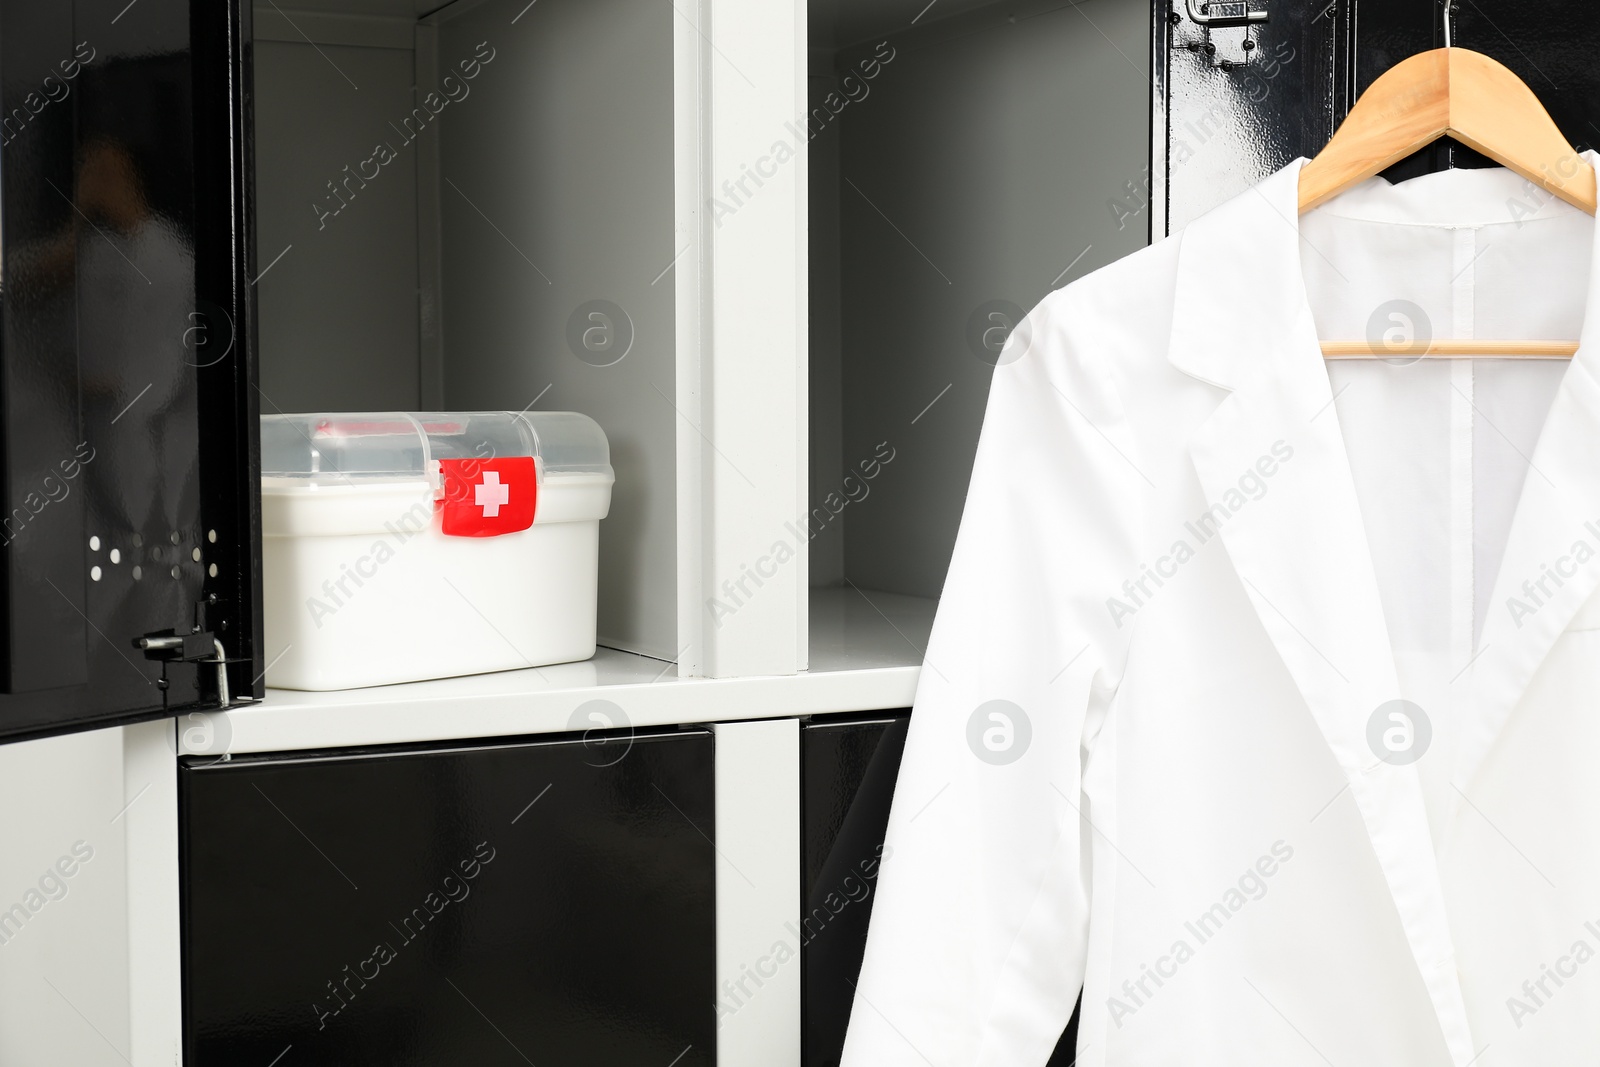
[(544, 902), (848, 770), (849, 766)]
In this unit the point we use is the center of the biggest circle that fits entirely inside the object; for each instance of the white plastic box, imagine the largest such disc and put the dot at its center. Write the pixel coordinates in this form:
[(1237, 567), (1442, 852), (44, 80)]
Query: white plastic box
[(402, 546)]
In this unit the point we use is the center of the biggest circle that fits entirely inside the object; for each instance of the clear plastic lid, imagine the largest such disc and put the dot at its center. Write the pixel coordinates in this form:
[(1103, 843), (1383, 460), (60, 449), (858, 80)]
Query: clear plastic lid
[(343, 448)]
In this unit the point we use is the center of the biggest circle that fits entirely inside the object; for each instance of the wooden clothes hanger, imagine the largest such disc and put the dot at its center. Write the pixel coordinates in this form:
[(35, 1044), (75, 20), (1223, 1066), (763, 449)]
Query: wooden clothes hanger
[(1465, 95)]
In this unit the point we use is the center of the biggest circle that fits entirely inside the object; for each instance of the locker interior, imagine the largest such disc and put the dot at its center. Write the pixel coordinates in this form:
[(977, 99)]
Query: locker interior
[(962, 161)]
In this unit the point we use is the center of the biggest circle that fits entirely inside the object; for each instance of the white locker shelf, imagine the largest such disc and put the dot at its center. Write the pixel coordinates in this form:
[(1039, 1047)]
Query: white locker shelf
[(866, 651)]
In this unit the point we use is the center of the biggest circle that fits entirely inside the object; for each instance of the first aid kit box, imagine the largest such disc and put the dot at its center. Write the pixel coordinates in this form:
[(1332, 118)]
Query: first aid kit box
[(402, 546)]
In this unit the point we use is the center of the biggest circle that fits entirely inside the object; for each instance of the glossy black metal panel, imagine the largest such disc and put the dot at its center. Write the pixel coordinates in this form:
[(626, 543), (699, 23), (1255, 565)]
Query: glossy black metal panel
[(1221, 124), (224, 334), (1551, 46), (128, 426), (848, 770), (1235, 103), (42, 576), (537, 900), (136, 283)]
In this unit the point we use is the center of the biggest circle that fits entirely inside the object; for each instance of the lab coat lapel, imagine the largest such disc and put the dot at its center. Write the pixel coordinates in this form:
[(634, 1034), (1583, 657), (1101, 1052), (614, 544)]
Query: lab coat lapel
[(1552, 559), (1300, 549)]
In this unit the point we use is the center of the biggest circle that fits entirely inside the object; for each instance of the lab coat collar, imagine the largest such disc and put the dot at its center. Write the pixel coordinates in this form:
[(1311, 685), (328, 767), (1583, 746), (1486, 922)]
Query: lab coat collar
[(1242, 321)]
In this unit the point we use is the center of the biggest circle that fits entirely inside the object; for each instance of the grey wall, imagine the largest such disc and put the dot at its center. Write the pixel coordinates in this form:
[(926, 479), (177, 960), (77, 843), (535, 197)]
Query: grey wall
[(826, 396), (556, 188), (983, 161), (338, 312)]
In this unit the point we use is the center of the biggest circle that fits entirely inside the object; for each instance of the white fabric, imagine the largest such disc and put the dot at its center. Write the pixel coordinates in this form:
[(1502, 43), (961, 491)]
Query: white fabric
[(1195, 560)]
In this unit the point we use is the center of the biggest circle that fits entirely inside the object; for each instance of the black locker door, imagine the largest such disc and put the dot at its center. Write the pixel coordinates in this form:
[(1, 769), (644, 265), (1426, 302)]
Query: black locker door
[(127, 425), (546, 901), (848, 770), (1232, 103)]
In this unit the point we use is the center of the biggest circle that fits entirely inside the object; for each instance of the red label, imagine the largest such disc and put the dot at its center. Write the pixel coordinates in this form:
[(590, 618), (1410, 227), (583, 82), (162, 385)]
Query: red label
[(487, 497)]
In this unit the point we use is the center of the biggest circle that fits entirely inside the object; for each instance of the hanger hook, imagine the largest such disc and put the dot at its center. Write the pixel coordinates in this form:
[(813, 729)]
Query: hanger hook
[(1449, 8)]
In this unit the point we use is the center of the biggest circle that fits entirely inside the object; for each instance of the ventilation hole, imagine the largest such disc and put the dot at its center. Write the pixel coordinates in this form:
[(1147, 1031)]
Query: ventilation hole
[(211, 535), (176, 538), (155, 554), (138, 572), (213, 570), (116, 556), (94, 544), (176, 574), (195, 555), (94, 573), (138, 541)]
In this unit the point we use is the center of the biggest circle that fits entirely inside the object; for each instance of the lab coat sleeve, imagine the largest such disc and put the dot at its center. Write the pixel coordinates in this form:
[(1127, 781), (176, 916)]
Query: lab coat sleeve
[(976, 949)]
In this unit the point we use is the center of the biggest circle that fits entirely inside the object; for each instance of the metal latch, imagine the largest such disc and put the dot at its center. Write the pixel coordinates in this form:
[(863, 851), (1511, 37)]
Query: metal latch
[(1224, 12), (196, 647)]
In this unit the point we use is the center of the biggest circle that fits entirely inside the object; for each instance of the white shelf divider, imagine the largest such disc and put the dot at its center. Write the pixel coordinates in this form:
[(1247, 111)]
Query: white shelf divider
[(155, 962), (758, 894)]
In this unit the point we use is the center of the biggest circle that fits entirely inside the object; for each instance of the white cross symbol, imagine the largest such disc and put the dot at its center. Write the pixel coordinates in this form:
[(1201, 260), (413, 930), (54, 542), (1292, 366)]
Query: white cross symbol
[(490, 494)]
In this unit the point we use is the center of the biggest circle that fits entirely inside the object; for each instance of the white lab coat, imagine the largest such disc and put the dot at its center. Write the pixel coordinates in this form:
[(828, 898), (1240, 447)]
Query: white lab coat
[(1197, 565)]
